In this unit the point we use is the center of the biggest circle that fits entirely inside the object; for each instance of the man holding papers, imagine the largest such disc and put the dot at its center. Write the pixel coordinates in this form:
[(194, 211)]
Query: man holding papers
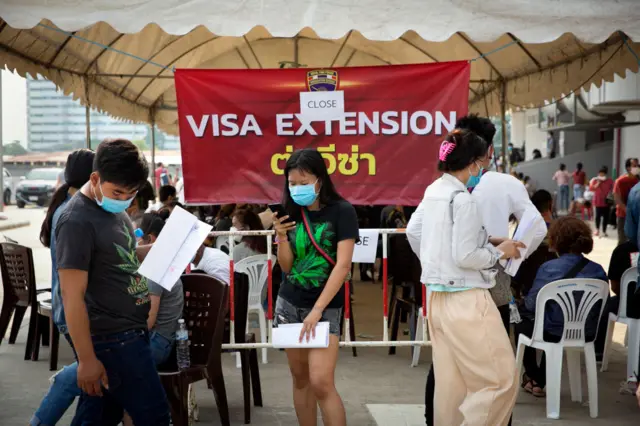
[(106, 302)]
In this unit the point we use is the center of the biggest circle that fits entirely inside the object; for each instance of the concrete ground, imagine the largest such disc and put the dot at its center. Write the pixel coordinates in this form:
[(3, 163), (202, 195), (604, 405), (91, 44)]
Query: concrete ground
[(377, 389)]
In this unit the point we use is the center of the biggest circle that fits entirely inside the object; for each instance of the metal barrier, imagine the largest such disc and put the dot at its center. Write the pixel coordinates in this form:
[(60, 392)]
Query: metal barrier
[(385, 342)]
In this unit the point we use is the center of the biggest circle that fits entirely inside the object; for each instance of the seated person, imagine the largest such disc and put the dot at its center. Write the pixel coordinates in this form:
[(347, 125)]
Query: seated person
[(523, 281), (247, 220), (166, 210), (570, 238), (166, 305), (167, 194), (212, 262), (140, 203)]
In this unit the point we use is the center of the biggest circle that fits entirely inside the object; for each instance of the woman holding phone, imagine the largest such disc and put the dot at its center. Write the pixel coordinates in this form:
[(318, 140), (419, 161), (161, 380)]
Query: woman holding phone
[(315, 237)]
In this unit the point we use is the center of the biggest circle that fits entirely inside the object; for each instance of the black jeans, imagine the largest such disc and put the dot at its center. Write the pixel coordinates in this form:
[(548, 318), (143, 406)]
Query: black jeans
[(537, 373), (430, 390), (602, 215)]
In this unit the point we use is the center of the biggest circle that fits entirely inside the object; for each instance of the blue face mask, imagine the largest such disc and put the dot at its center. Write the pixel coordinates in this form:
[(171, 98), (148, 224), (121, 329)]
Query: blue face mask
[(110, 205), (474, 180), (303, 195)]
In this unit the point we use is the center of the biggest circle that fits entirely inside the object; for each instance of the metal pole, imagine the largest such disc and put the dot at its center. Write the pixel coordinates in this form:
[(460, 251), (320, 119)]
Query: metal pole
[(87, 113), (1, 151), (153, 155), (503, 121)]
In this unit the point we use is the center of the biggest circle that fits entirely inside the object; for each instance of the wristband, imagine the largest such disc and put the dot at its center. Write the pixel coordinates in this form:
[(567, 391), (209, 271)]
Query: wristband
[(281, 240)]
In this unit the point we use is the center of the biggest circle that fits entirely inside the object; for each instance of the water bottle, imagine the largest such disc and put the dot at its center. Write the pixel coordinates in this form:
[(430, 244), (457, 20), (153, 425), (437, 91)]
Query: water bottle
[(182, 346), (514, 314)]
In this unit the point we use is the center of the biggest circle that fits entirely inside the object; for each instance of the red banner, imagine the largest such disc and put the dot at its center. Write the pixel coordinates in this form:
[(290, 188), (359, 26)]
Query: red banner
[(238, 128)]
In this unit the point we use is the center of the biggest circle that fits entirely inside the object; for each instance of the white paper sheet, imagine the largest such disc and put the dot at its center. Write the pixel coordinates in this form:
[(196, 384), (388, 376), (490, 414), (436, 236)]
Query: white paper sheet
[(288, 336), (365, 249), (176, 245), (525, 233)]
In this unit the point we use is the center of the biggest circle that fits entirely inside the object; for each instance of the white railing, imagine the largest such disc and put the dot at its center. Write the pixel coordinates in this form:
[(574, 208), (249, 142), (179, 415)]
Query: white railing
[(385, 342)]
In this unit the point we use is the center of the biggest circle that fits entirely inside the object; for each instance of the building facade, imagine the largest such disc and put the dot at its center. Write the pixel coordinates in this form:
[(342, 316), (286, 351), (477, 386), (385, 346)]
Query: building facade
[(57, 122)]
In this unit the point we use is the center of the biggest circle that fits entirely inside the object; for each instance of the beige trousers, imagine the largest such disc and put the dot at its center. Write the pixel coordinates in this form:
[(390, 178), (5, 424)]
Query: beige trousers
[(473, 360)]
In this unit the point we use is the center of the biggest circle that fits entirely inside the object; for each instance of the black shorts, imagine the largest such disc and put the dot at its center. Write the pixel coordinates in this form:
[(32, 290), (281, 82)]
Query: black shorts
[(287, 313)]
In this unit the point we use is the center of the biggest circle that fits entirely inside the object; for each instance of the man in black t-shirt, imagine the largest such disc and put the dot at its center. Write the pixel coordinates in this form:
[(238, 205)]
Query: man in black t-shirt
[(106, 302)]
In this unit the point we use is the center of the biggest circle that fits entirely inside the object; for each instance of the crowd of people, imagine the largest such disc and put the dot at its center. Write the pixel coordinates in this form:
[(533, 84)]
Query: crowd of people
[(104, 219)]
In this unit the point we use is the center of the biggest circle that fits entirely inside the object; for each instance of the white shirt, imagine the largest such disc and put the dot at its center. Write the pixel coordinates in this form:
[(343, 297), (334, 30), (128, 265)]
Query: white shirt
[(498, 196), (180, 188), (154, 207), (215, 262)]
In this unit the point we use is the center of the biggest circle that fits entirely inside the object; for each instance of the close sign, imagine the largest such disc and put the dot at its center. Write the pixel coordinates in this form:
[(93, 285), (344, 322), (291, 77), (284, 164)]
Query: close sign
[(366, 247)]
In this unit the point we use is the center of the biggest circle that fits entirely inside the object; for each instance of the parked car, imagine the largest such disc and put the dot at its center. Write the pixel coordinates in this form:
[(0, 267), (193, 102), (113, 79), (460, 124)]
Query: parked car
[(8, 181), (37, 187)]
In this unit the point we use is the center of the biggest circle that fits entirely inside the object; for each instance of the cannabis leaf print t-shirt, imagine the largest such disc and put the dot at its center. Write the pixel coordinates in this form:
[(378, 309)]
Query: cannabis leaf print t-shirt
[(103, 244), (310, 271)]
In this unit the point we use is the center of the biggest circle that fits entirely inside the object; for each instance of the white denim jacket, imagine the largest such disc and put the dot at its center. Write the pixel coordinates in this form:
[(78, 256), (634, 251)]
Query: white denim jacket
[(449, 238)]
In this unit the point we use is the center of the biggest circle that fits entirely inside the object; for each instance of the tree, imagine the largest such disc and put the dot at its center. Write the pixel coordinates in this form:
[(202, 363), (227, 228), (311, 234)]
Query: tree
[(14, 148)]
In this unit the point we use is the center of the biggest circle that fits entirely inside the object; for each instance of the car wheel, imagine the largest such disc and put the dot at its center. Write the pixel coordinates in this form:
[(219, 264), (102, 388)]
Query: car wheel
[(41, 203), (20, 204), (7, 197)]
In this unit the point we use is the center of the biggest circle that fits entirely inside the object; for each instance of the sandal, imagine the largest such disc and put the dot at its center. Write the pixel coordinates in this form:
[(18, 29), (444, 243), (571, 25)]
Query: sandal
[(537, 391)]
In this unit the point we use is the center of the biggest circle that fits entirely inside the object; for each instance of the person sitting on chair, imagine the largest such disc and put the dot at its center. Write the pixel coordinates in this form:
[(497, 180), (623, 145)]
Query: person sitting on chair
[(571, 238)]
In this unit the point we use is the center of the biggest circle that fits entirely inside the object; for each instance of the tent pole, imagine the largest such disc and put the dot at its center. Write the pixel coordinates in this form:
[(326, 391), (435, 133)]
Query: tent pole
[(1, 150), (87, 113), (503, 122), (153, 154)]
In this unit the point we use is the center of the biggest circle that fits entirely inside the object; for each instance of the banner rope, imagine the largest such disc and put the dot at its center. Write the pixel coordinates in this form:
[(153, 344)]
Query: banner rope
[(172, 69)]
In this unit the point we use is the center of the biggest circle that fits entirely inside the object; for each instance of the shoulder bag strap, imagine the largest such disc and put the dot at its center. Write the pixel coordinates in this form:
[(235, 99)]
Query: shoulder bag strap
[(307, 228), (573, 272)]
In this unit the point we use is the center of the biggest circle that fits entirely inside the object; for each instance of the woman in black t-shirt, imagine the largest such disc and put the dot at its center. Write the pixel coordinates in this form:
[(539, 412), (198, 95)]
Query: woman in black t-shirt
[(314, 251)]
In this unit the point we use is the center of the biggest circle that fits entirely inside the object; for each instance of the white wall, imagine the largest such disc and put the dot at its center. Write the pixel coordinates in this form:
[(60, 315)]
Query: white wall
[(518, 128), (535, 138), (630, 138), (620, 89), (541, 171)]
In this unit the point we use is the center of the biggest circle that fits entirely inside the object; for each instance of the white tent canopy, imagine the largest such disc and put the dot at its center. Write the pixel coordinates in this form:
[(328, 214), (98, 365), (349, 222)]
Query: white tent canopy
[(530, 51)]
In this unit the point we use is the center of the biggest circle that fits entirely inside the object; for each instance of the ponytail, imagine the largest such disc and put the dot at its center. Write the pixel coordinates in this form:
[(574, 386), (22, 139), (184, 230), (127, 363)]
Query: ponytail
[(58, 198)]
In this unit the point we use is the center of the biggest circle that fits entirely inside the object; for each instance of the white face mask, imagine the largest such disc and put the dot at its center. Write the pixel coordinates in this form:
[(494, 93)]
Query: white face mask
[(237, 238), (634, 171), (602, 177)]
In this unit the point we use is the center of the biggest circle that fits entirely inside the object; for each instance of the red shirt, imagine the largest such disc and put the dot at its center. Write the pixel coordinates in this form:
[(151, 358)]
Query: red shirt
[(600, 193), (579, 177), (159, 172), (622, 187)]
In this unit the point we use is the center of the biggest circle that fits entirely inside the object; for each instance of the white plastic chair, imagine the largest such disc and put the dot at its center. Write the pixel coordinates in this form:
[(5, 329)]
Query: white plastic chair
[(633, 327), (416, 349), (573, 340), (256, 268)]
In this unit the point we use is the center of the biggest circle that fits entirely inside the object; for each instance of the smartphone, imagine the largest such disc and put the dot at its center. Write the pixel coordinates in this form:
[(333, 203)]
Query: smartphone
[(280, 211)]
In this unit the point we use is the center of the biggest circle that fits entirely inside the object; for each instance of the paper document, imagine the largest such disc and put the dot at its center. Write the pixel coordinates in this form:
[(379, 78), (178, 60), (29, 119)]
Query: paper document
[(288, 336), (174, 249), (525, 233)]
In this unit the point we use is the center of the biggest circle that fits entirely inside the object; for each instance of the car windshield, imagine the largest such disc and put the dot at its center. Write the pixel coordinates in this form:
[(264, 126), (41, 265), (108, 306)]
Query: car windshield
[(43, 174)]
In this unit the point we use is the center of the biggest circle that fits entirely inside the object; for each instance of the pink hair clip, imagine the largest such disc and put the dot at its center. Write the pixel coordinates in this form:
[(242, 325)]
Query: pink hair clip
[(445, 149)]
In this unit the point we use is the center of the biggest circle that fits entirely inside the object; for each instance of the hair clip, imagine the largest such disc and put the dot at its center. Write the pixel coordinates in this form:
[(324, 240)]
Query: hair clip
[(446, 148)]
